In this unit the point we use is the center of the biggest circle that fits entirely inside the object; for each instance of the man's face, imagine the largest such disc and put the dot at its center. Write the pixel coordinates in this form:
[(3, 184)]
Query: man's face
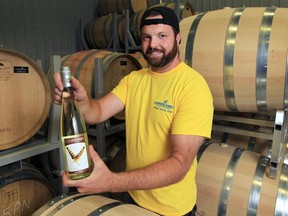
[(159, 45)]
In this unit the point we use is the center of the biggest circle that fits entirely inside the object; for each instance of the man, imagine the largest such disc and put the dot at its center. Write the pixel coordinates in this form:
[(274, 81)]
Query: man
[(169, 112)]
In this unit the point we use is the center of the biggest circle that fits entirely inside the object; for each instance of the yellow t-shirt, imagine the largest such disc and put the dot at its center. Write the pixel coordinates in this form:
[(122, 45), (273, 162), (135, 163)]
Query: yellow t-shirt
[(156, 106)]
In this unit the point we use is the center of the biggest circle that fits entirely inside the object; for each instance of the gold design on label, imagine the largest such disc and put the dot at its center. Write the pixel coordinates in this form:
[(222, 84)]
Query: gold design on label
[(74, 157)]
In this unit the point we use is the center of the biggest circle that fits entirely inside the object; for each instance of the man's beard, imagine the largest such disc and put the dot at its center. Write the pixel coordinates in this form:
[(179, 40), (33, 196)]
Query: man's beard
[(166, 58)]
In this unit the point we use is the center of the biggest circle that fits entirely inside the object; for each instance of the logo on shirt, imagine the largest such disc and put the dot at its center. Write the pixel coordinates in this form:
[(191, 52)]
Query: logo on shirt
[(163, 106)]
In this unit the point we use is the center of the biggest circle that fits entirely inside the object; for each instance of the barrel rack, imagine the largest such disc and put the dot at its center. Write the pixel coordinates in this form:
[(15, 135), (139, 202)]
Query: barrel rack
[(100, 130), (46, 141), (51, 141), (277, 126), (103, 129)]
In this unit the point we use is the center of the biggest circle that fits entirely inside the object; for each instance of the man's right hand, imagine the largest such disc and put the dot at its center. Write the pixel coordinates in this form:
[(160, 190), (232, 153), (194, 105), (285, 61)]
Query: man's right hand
[(79, 90)]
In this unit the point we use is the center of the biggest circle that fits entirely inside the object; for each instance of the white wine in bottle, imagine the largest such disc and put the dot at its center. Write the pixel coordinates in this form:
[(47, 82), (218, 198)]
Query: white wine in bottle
[(73, 132)]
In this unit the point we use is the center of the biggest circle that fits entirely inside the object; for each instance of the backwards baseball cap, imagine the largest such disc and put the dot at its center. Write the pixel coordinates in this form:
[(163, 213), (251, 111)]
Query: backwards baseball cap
[(169, 17)]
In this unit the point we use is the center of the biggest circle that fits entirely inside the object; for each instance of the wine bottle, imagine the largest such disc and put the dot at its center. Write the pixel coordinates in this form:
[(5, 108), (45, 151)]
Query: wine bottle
[(73, 132)]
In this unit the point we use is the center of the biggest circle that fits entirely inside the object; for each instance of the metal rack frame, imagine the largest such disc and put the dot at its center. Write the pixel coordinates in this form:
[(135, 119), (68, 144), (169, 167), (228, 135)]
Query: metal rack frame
[(130, 44), (103, 129), (277, 137)]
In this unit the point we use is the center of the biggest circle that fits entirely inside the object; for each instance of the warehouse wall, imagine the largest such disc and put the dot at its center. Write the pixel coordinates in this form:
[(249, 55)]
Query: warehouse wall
[(41, 28)]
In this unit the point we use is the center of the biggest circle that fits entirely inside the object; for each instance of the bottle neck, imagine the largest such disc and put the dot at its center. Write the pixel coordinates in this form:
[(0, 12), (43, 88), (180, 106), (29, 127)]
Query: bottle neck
[(68, 93), (68, 89)]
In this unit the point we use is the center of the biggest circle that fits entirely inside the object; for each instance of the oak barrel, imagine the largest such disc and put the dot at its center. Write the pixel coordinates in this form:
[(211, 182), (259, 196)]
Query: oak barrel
[(25, 98), (233, 181), (135, 22), (99, 32), (116, 66), (242, 54), (106, 7), (184, 9), (89, 204), (23, 191)]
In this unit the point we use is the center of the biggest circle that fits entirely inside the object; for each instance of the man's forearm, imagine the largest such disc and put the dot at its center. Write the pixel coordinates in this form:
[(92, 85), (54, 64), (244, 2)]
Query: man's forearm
[(158, 175)]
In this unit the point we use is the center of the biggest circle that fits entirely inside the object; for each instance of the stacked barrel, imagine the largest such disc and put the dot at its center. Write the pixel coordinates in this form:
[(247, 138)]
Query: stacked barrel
[(242, 54), (24, 104)]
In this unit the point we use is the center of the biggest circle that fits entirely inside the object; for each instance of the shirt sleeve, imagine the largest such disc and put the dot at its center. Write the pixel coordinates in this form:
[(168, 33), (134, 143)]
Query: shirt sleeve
[(195, 111)]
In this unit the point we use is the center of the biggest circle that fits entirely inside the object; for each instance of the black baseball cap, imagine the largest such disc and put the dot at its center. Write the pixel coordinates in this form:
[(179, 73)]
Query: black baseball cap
[(169, 17)]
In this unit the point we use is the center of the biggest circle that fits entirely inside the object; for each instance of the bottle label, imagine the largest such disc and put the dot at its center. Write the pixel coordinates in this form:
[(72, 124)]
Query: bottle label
[(76, 153)]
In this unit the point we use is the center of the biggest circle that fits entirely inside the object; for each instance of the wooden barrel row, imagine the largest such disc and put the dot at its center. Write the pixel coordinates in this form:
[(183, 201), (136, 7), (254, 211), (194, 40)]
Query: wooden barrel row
[(242, 54), (232, 181), (99, 32), (24, 109)]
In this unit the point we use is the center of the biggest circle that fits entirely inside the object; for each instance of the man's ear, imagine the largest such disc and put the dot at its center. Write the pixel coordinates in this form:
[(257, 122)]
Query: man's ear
[(178, 38)]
